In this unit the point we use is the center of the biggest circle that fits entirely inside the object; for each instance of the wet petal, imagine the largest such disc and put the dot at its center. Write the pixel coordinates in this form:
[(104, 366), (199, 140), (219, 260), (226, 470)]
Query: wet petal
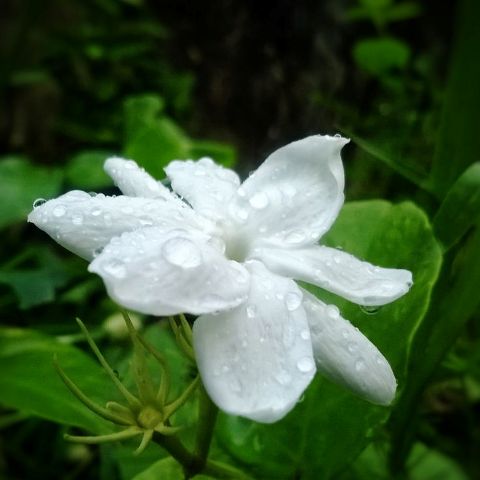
[(208, 187), (256, 360), (295, 195), (339, 273), (135, 181), (161, 271), (84, 224), (346, 356)]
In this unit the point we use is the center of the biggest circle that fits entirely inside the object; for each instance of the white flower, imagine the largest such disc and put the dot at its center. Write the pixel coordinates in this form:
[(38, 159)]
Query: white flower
[(228, 253)]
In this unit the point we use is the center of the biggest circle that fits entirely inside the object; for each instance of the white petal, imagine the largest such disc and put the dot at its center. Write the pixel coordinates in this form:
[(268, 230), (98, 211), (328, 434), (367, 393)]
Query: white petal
[(208, 187), (295, 195), (133, 180), (84, 224), (346, 356), (339, 273), (160, 271), (256, 361)]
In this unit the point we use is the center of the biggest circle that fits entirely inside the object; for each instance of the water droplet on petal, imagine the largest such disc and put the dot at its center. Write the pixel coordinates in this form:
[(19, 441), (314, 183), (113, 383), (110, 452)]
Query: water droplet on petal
[(59, 211), (332, 311), (297, 236), (292, 301), (182, 252), (352, 347), (115, 268), (369, 310), (305, 365), (77, 219), (305, 334), (283, 377), (38, 202), (96, 212), (359, 365), (259, 201), (251, 311)]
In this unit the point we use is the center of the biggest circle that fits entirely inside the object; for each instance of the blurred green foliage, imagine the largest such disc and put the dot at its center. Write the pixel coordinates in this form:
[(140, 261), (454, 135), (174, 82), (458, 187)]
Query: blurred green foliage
[(83, 80)]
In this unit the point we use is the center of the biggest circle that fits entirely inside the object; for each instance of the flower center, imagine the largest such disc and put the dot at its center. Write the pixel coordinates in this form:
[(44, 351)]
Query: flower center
[(237, 242)]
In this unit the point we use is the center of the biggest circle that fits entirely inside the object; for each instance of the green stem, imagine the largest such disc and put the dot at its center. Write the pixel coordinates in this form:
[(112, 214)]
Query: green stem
[(207, 417), (189, 461)]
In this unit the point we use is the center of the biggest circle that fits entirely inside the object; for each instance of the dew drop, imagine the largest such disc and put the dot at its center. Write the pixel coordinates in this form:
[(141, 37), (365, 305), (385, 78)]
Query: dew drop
[(59, 211), (251, 311), (305, 334), (292, 301), (77, 219), (259, 201), (182, 252), (352, 347), (332, 311), (360, 365), (96, 212), (38, 202), (369, 310), (305, 365), (115, 268), (283, 377), (297, 236)]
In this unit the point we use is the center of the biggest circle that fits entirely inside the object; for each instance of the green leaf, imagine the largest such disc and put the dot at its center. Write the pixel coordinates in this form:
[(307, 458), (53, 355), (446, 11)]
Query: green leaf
[(219, 152), (140, 111), (460, 209), (379, 56), (85, 170), (388, 154), (330, 427), (166, 469), (30, 383), (454, 301), (34, 286), (21, 183), (428, 464), (458, 143), (155, 145)]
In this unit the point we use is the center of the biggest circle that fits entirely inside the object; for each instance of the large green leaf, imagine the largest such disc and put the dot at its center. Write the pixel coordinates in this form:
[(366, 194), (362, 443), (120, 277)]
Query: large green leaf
[(29, 382), (35, 285), (85, 170), (454, 301), (166, 469), (460, 209), (458, 142), (21, 183), (331, 426)]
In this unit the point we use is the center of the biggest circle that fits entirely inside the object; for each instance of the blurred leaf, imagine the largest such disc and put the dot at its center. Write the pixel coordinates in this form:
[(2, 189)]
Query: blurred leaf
[(454, 300), (379, 56), (85, 170), (403, 11), (386, 154), (458, 143), (219, 152), (140, 111), (155, 145), (330, 427), (21, 183), (30, 384), (37, 285), (460, 209), (428, 464), (166, 469)]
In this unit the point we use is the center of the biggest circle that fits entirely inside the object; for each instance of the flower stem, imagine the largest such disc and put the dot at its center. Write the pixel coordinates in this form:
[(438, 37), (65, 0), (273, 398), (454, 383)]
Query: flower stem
[(207, 417), (190, 463)]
